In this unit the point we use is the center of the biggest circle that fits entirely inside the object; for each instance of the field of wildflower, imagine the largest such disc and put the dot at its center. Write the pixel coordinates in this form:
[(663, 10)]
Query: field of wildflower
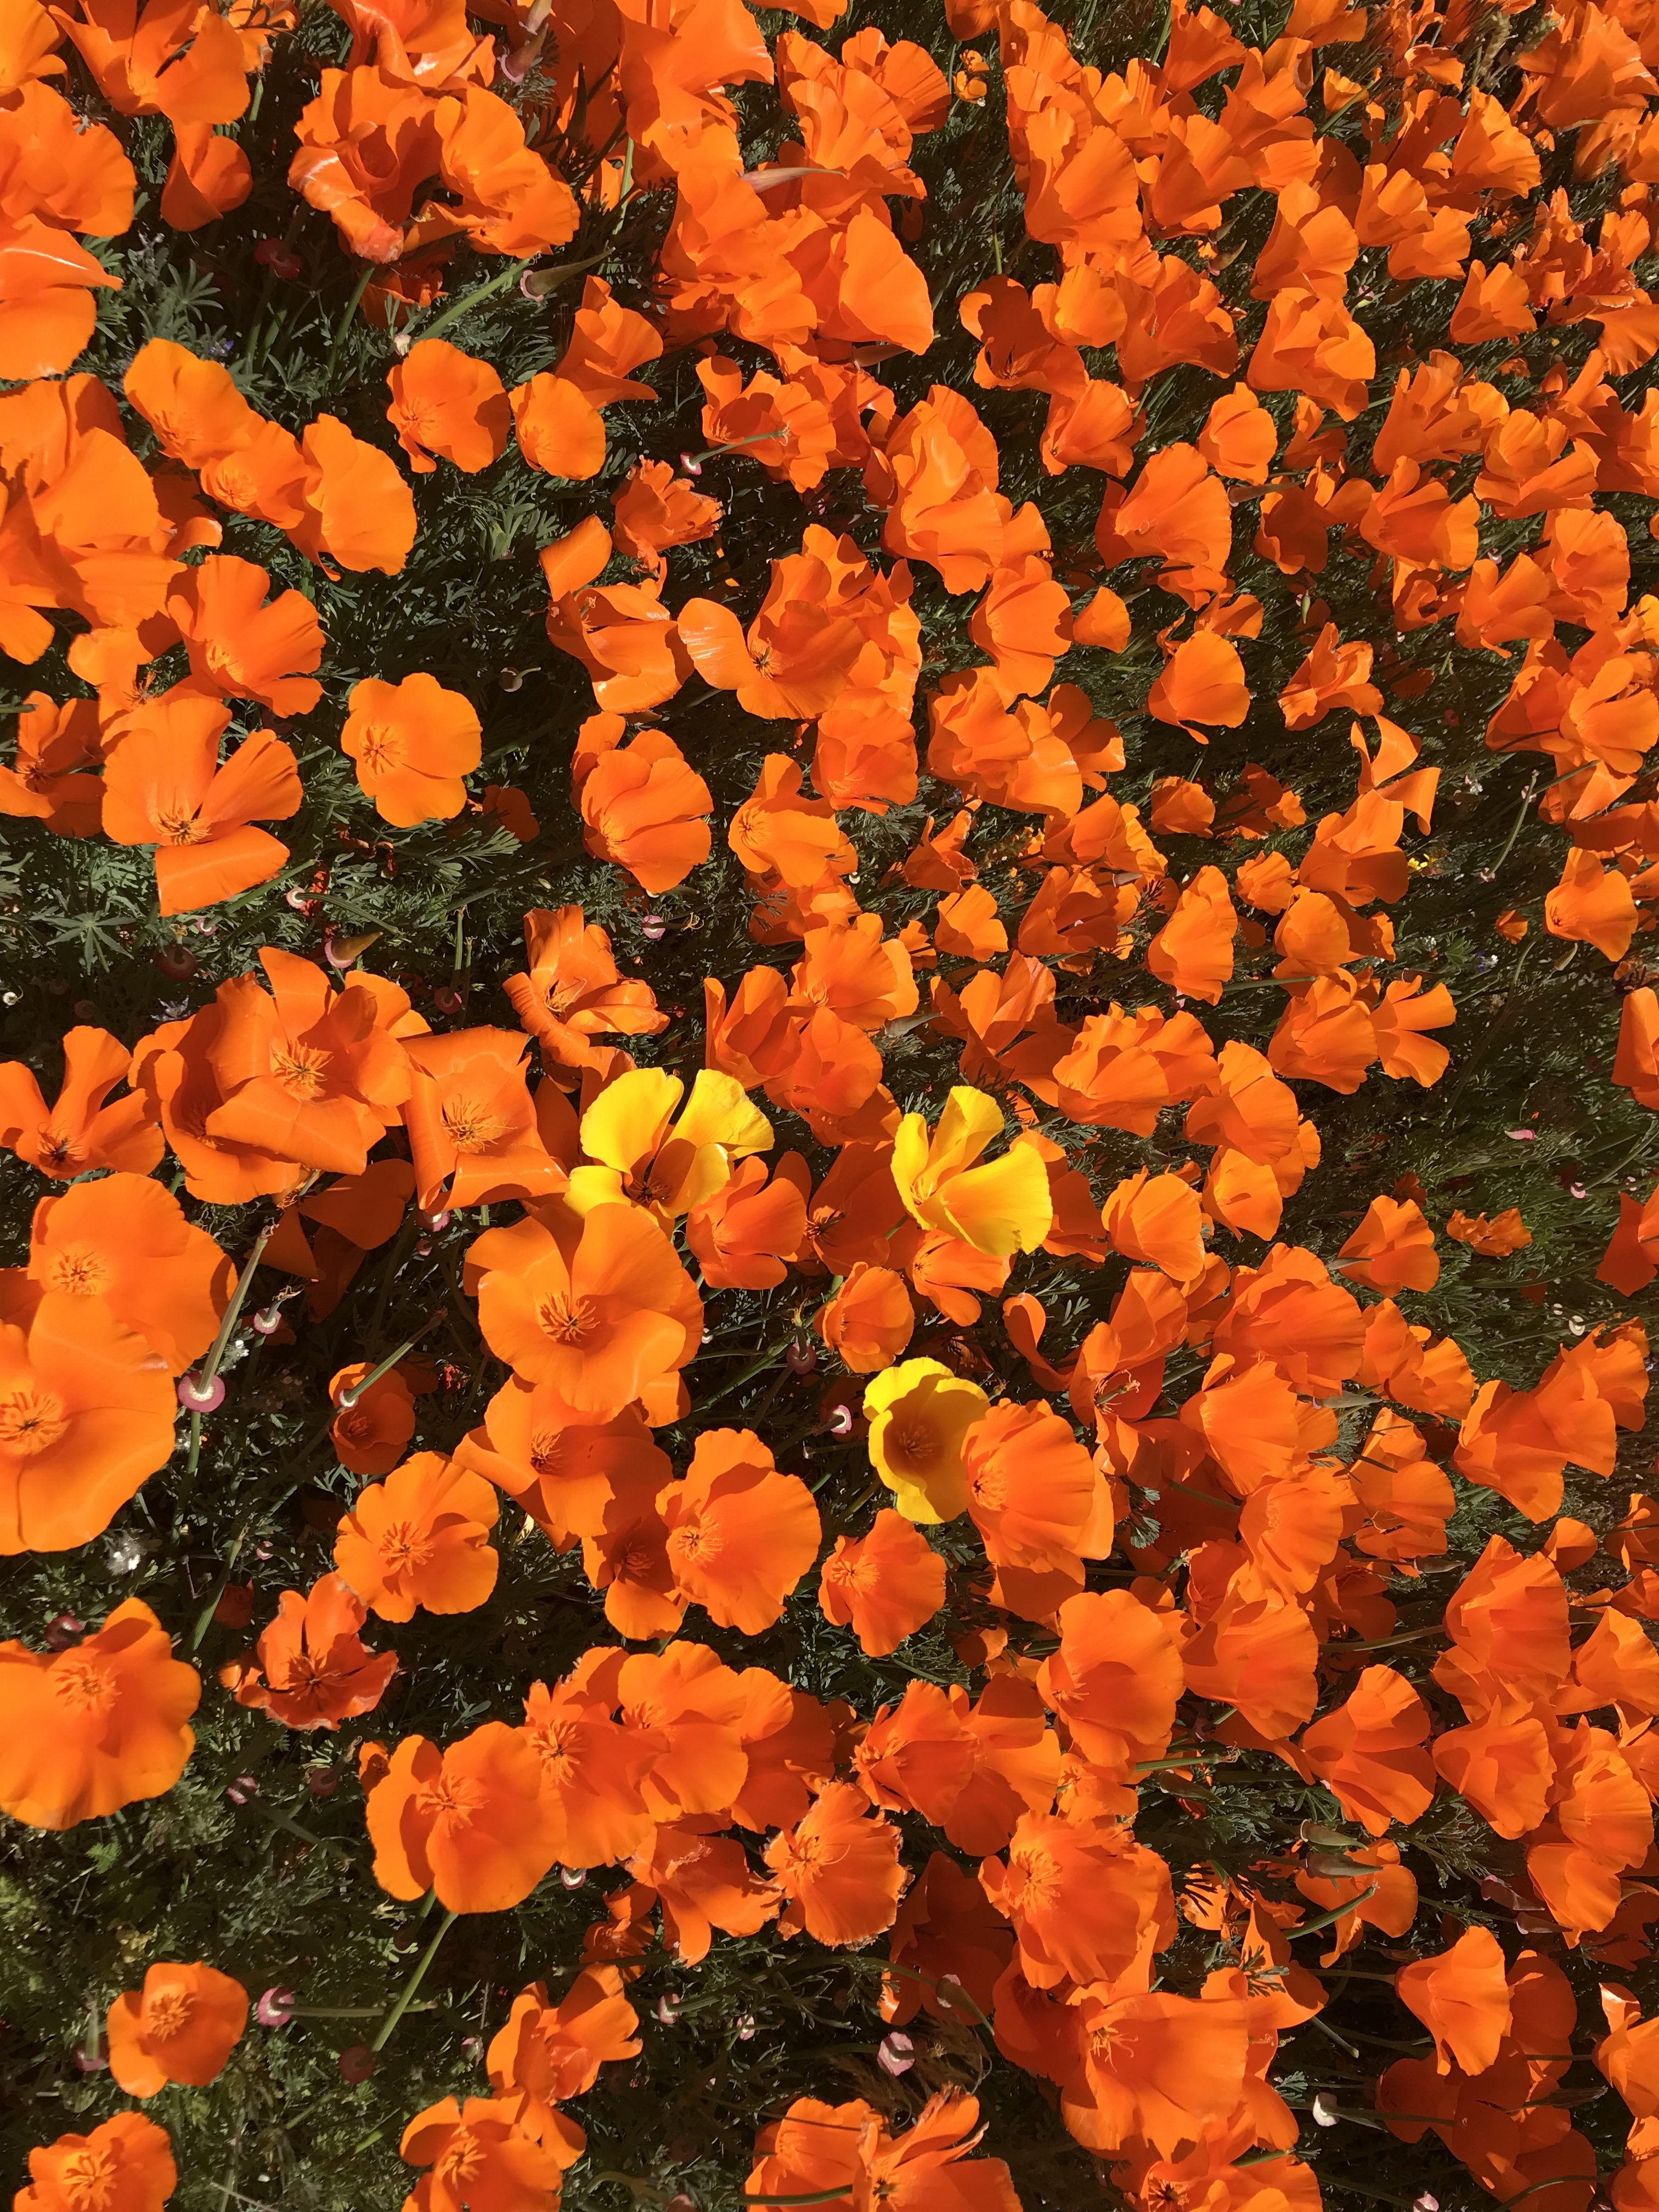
[(828, 1057)]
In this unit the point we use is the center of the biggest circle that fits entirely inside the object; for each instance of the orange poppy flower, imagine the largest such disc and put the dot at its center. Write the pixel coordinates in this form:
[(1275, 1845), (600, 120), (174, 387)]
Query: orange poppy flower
[(1462, 1997), (305, 1074), (48, 279), (547, 2053), (740, 1535), (477, 2156), (643, 806), (164, 785), (181, 2027), (884, 1586), (413, 743), (1203, 681), (472, 1127), (701, 1883), (310, 1668), (591, 1773), (79, 1131), (817, 2150), (598, 1305), (470, 1822), (87, 1412), (1392, 1250), (444, 402), (573, 991), (626, 1556), (369, 1434), (1493, 1239), (559, 429), (1080, 1894), (1031, 1486), (1158, 2068), (420, 1539), (241, 648), (745, 1236), (97, 1726), (1369, 1752), (839, 1869), (124, 1240), (49, 780), (125, 2165), (870, 1320), (1115, 1680)]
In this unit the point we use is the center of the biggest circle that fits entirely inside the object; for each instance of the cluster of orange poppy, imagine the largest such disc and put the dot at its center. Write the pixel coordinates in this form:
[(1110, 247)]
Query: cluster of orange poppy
[(1198, 1436)]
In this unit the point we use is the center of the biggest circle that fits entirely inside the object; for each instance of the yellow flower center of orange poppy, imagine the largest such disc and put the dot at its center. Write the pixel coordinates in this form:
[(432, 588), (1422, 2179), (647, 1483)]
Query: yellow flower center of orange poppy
[(90, 2179), (988, 1488), (383, 748), (168, 2013), (568, 1321), (84, 1683), (452, 1796), (846, 1572), (461, 2160), (31, 1421), (402, 1546), (547, 1451), (692, 1541), (471, 1127), (180, 828), (1040, 1878), (301, 1069), (637, 1560), (802, 1857), (79, 1271), (555, 1744)]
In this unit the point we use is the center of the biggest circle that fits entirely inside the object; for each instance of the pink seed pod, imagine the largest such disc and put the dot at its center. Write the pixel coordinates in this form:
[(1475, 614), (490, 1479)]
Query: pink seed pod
[(435, 1222), (839, 1421), (266, 1322), (196, 1396), (895, 2054), (801, 1358), (652, 927), (92, 2058), (357, 2063), (242, 1790), (275, 2009), (572, 1877), (63, 1630), (668, 2008)]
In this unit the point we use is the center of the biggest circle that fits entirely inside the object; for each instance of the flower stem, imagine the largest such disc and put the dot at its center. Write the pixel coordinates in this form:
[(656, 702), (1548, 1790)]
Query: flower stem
[(383, 2033), (210, 1364)]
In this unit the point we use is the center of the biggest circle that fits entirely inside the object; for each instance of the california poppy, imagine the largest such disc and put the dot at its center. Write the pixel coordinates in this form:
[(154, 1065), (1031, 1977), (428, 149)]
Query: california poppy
[(920, 1416), (848, 2148), (740, 1533), (444, 402), (310, 1668), (181, 2026), (82, 1128), (472, 1125), (420, 1539), (413, 743), (124, 1241), (98, 1725), (125, 2163), (547, 2053), (839, 1869), (239, 647), (885, 1585), (469, 1821), (476, 2153)]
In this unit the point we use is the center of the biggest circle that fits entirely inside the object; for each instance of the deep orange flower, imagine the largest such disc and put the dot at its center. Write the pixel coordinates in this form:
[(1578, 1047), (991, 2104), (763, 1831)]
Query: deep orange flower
[(444, 402), (470, 1822), (740, 1535), (598, 1305), (477, 2156), (125, 2165), (870, 1320), (413, 743), (97, 1726), (885, 1585), (310, 1668), (818, 2148), (643, 805), (241, 648), (164, 785), (420, 1539), (547, 2052), (181, 2027), (472, 1126), (1462, 1997), (369, 1434), (123, 1242), (573, 991), (79, 1131), (49, 780), (838, 1868), (1493, 1239), (592, 1768), (87, 1412)]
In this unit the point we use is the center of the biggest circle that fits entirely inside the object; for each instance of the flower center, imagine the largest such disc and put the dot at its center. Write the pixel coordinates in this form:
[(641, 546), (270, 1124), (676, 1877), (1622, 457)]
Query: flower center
[(383, 749), (450, 1797), (167, 2013), (179, 828), (299, 1068), (90, 2179), (79, 1271), (568, 1321), (31, 1421), (84, 1683), (988, 1488), (402, 1547), (472, 1127), (913, 1446)]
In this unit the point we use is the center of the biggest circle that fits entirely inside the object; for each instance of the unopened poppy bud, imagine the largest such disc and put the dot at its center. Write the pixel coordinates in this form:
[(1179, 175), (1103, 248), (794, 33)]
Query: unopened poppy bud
[(691, 465), (668, 2008), (1325, 2111), (1425, 2202), (537, 284), (895, 2054), (357, 2063), (800, 1358), (196, 1396), (177, 961), (275, 2009), (572, 1877), (322, 1781), (62, 1630), (445, 1001), (340, 952), (242, 1790), (92, 2057), (297, 899), (653, 927), (423, 1247), (681, 2204)]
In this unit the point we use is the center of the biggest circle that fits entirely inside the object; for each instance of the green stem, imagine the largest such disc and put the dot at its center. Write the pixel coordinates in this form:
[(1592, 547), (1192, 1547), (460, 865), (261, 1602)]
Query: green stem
[(470, 300), (383, 2033), (209, 1366), (278, 1819), (1328, 1919), (360, 1390), (1515, 826), (344, 325)]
